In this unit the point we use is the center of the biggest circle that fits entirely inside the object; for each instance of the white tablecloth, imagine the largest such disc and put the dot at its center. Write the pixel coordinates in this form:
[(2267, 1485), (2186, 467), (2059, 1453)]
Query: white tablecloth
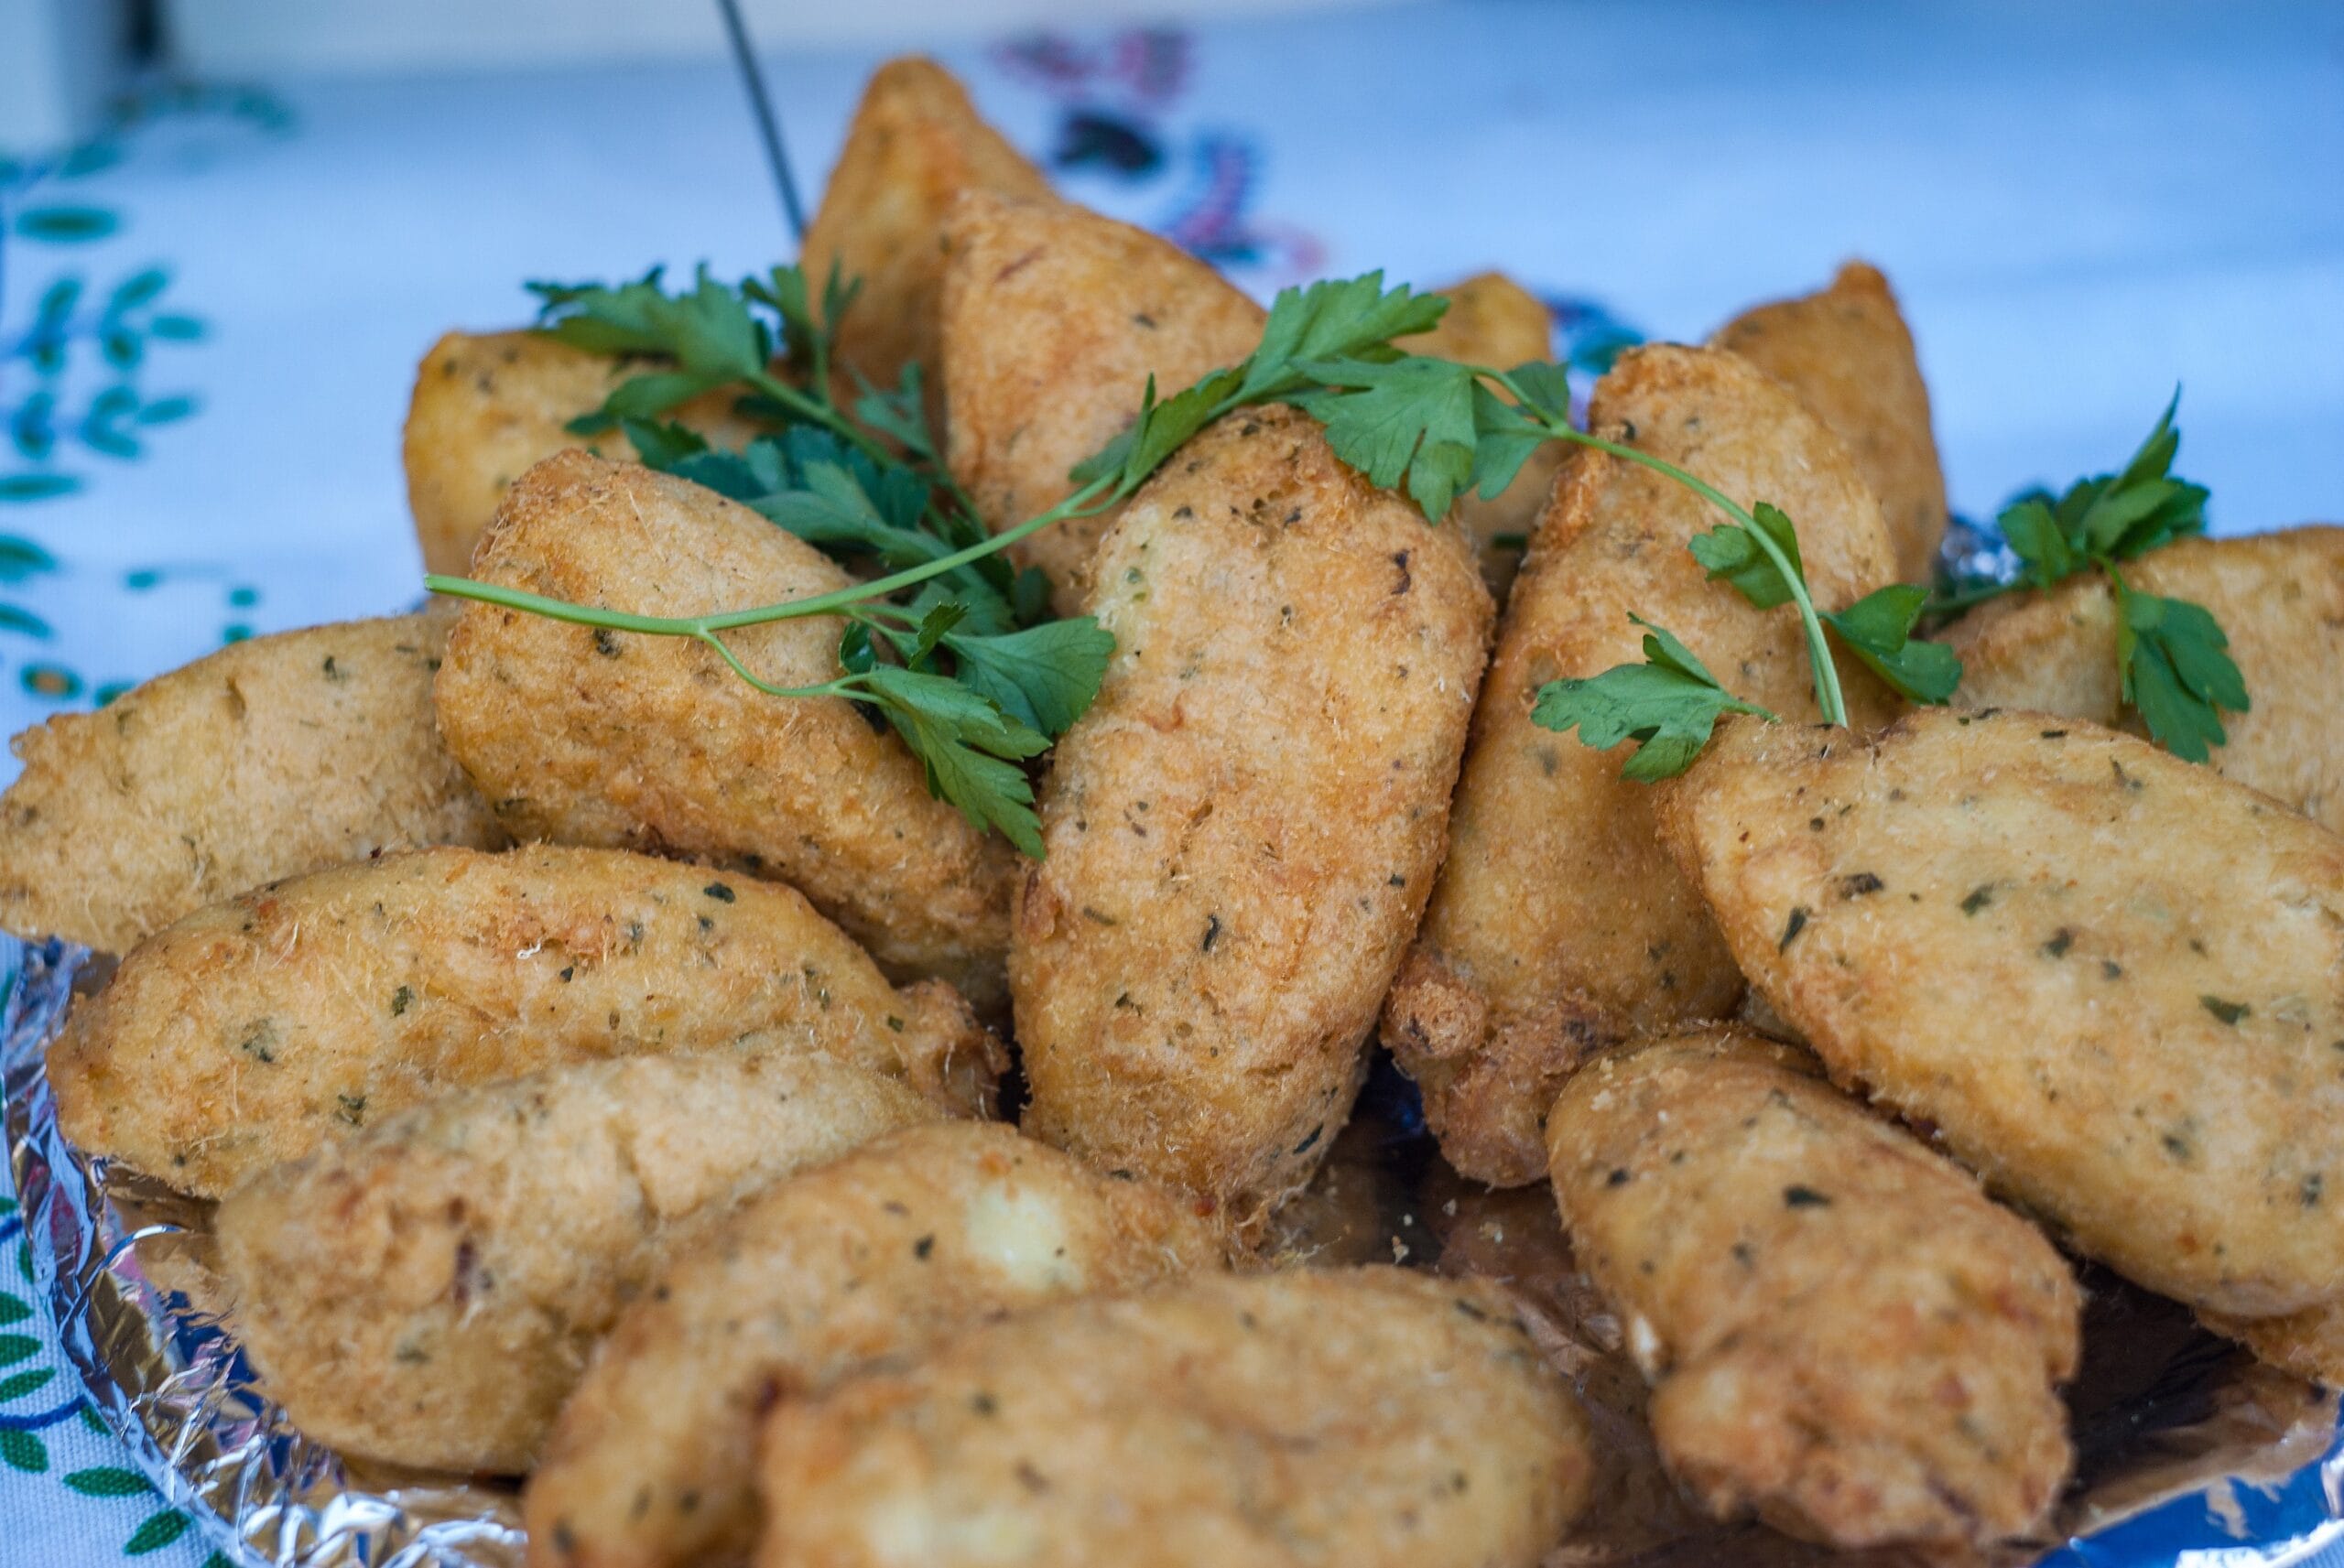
[(2081, 205)]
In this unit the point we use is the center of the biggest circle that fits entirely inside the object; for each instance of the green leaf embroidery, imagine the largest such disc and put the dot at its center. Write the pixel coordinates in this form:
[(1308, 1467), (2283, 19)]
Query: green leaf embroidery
[(66, 225), (17, 1385), (23, 1451), (159, 1531), (108, 1481)]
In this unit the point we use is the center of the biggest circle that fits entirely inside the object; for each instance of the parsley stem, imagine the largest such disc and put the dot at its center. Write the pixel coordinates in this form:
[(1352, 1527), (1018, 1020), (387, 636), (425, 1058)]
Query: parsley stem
[(1828, 697), (1091, 498), (822, 411), (819, 411)]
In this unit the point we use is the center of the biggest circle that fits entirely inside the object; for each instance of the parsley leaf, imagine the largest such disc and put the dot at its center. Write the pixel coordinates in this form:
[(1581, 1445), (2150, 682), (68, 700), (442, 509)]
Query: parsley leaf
[(901, 416), (1344, 318), (844, 503), (973, 750), (2177, 673), (1546, 388), (2032, 530), (1046, 675), (1877, 629), (708, 333), (1412, 418), (1504, 438), (1331, 320), (1670, 703), (1732, 551), (2108, 518), (2170, 653)]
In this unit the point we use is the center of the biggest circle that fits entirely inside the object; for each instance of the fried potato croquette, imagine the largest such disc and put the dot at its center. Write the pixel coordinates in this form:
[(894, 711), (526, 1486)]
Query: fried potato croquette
[(1241, 831), (1559, 922), (1845, 1335), (2279, 598), (427, 1291), (915, 144), (2309, 1344), (878, 1256), (1848, 355), (251, 1031), (1494, 321), (266, 759), (2111, 980), (1053, 320), (594, 737), (489, 407), (1370, 1418)]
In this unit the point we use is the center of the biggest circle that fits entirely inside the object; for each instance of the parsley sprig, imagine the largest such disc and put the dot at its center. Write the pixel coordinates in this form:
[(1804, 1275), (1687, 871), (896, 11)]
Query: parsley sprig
[(949, 646), (2171, 654), (1441, 429)]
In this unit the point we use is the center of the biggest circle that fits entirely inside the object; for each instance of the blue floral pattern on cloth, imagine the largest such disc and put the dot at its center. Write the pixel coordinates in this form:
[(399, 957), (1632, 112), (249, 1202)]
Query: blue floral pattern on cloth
[(80, 360)]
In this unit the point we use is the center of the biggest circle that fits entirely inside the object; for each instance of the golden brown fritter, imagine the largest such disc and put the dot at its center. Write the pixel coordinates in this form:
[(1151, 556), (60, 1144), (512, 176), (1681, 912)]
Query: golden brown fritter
[(1494, 321), (2279, 598), (489, 407), (2309, 1344), (1243, 829), (590, 737), (1053, 320), (2111, 980), (266, 759), (915, 144), (427, 1291), (1559, 922), (251, 1031), (876, 1258), (1368, 1417), (1848, 355), (1843, 1333)]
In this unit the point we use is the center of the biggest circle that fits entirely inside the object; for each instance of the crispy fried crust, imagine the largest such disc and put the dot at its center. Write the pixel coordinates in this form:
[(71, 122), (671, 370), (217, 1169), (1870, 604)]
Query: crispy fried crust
[(1053, 320), (253, 1030), (489, 407), (1494, 320), (1848, 356), (1558, 921), (2279, 598), (588, 736), (2113, 981), (1242, 829), (1844, 1333), (878, 1256), (263, 759), (2309, 1344), (915, 144), (1370, 1417), (427, 1291)]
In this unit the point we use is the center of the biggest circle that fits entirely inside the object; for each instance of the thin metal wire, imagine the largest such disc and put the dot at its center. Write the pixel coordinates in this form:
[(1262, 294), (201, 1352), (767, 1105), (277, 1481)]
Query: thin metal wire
[(793, 212)]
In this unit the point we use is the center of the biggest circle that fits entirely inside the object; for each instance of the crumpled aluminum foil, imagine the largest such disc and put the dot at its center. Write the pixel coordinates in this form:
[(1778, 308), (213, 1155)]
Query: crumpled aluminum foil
[(2188, 1451)]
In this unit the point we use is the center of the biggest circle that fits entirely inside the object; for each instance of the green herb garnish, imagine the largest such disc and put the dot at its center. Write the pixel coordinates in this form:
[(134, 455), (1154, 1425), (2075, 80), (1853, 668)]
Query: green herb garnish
[(2170, 653), (949, 646), (1442, 428), (1670, 703)]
